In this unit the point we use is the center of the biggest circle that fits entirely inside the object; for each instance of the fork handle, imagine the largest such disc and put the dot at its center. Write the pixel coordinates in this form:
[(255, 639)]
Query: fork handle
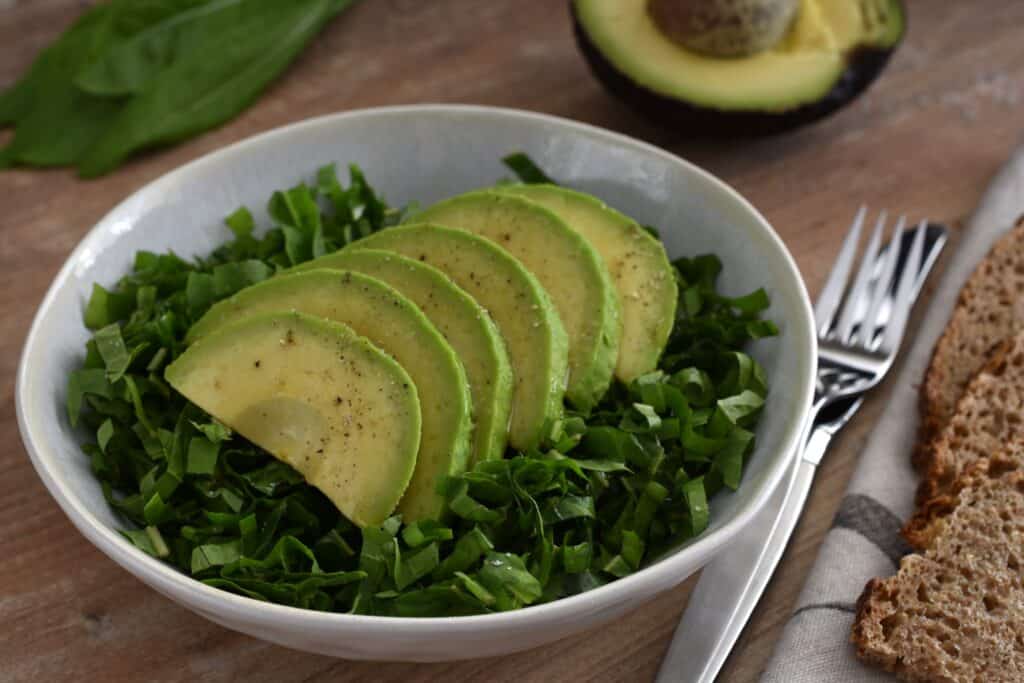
[(732, 584)]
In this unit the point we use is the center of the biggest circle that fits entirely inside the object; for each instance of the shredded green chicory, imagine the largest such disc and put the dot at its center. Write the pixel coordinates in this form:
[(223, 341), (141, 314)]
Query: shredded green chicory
[(606, 493)]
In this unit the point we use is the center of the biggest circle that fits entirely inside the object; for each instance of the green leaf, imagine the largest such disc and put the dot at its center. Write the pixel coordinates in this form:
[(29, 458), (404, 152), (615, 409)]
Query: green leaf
[(156, 511), (738, 409), (129, 66), (232, 277), (632, 549), (104, 434), (82, 383), (231, 56), (505, 576), (469, 548), (754, 302), (148, 540), (640, 418), (568, 507), (467, 508), (241, 222), (577, 558), (214, 555), (106, 307), (696, 386), (729, 460), (415, 566), (272, 479), (697, 505), (214, 431), (425, 531), (46, 100), (200, 293), (475, 589), (525, 169), (112, 349), (202, 456)]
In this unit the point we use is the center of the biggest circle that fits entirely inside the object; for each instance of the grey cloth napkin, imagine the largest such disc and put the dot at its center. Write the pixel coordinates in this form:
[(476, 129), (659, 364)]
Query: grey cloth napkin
[(864, 540)]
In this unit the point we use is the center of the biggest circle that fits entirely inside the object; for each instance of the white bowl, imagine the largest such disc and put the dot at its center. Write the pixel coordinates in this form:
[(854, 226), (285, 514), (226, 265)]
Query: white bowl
[(421, 153)]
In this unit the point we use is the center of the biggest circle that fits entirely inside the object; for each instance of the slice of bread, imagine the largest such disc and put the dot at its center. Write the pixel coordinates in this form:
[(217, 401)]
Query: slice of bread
[(928, 520), (988, 415), (956, 612), (990, 309)]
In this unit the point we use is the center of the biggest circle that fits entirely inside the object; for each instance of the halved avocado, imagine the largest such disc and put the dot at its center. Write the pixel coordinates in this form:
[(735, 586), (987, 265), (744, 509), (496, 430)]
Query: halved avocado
[(526, 318), (644, 280), (570, 270), (395, 325), (277, 378), (467, 327), (831, 53)]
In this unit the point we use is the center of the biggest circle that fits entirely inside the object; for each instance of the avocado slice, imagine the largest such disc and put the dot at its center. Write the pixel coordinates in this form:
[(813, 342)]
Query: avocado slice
[(399, 328), (644, 281), (533, 333), (832, 52), (467, 327), (569, 269), (316, 396)]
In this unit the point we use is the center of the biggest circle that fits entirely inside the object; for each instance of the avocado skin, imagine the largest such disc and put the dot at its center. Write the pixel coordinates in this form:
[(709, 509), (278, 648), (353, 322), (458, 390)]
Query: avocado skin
[(863, 66)]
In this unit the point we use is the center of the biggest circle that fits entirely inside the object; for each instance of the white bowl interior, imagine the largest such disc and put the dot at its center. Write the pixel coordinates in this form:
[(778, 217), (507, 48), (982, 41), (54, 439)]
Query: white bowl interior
[(422, 154)]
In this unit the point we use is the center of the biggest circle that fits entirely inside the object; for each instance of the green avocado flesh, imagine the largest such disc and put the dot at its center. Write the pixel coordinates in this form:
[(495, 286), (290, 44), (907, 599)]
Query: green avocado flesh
[(567, 266), (533, 334), (467, 327), (801, 69), (316, 396), (395, 325), (644, 280)]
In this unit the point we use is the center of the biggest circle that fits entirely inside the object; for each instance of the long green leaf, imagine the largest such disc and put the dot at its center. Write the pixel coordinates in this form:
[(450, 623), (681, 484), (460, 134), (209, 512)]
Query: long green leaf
[(232, 56)]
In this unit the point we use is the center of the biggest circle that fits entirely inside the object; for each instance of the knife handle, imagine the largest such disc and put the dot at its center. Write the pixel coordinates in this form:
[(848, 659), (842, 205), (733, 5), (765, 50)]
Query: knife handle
[(732, 583)]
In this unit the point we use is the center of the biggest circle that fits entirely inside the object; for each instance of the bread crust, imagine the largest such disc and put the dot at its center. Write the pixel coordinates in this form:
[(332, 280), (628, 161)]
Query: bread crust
[(949, 370), (944, 464)]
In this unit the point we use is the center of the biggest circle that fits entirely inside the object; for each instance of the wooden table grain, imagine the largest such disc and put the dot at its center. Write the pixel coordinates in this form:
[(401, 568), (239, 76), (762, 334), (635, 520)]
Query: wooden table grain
[(924, 140)]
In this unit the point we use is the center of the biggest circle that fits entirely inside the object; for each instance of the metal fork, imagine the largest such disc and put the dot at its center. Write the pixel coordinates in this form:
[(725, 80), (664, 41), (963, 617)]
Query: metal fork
[(859, 328)]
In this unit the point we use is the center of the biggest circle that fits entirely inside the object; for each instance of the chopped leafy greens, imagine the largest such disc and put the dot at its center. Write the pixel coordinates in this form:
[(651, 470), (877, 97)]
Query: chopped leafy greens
[(605, 493)]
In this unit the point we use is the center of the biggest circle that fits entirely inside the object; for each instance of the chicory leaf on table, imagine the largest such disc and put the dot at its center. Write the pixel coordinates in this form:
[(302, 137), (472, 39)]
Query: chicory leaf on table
[(134, 74)]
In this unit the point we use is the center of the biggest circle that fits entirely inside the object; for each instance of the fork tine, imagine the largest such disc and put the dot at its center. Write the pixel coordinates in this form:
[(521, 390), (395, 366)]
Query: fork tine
[(904, 300), (858, 292), (882, 285), (832, 293)]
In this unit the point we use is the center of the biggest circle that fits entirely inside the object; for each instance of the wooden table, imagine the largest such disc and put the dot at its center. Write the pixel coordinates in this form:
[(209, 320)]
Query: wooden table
[(924, 140)]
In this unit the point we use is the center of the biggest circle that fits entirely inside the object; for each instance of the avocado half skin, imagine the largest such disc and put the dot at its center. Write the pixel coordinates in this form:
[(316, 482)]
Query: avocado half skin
[(863, 66)]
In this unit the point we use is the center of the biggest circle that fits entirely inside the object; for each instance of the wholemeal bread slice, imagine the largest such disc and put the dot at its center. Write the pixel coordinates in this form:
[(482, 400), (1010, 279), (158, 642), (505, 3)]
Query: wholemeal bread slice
[(990, 309), (988, 415), (956, 612), (928, 520)]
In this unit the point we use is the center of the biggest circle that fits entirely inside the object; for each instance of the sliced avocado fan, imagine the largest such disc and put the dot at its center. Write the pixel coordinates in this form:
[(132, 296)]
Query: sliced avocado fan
[(399, 328), (525, 316), (463, 322), (644, 280), (316, 396), (567, 266)]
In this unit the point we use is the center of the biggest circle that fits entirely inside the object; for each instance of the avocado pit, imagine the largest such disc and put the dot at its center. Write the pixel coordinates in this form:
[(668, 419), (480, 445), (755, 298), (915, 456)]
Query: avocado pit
[(724, 28)]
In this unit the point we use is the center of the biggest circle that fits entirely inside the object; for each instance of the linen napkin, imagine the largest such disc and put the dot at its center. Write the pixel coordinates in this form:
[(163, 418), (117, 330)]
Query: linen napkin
[(864, 540)]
